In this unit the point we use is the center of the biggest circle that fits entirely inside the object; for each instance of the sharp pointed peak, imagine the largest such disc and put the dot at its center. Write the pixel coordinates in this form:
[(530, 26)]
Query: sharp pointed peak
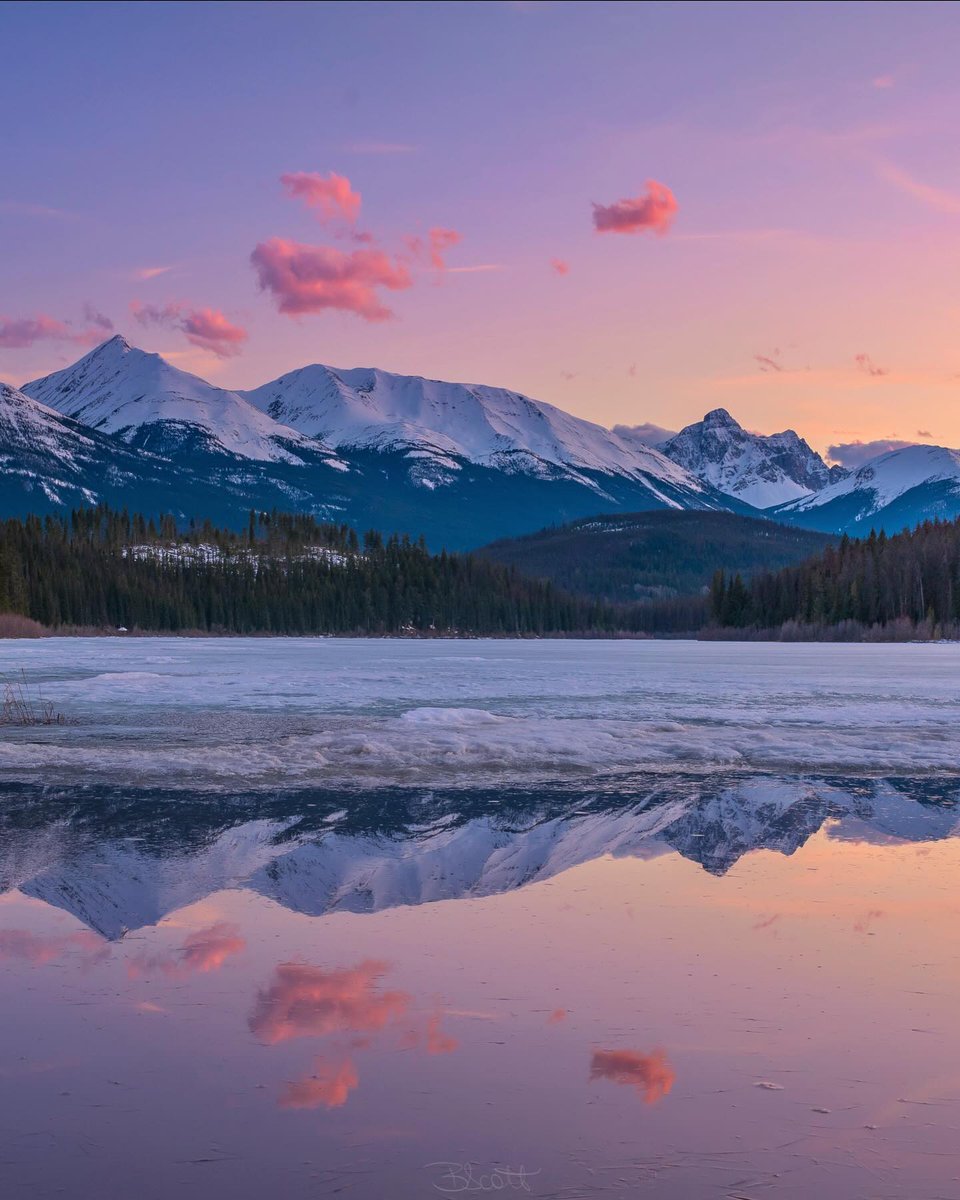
[(720, 416)]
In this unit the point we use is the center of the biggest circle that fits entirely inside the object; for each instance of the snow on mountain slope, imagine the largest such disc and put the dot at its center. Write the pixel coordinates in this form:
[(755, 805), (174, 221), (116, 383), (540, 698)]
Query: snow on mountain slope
[(42, 451), (882, 480), (146, 401), (761, 470), (367, 408)]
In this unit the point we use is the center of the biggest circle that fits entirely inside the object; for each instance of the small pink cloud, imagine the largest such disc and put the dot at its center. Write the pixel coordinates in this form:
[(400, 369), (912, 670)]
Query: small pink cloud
[(207, 328), (561, 266), (332, 196), (883, 81), (438, 1042), (40, 949), (19, 333), (305, 1001), (434, 246), (868, 366), (202, 951), (650, 1075), (313, 279), (653, 210), (557, 1016), (329, 1086)]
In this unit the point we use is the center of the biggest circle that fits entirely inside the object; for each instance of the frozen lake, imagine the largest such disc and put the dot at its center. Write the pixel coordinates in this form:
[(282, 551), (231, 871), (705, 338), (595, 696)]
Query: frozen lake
[(407, 919), (211, 713)]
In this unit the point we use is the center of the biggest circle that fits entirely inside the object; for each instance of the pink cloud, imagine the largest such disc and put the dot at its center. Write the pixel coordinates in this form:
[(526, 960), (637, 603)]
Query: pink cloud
[(650, 1075), (40, 949), (654, 210), (202, 951), (438, 1042), (332, 196), (434, 246), (328, 1087), (312, 279), (883, 81), (207, 328), (560, 266), (17, 333), (557, 1016), (306, 1001)]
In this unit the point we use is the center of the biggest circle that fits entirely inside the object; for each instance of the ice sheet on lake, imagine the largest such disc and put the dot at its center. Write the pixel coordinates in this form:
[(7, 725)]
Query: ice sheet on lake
[(208, 714)]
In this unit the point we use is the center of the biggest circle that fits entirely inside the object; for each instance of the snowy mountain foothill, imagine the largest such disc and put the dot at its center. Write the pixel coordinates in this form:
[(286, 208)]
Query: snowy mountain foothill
[(462, 464)]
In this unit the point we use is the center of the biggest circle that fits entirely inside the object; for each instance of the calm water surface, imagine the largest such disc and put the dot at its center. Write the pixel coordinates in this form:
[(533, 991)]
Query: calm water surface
[(673, 978)]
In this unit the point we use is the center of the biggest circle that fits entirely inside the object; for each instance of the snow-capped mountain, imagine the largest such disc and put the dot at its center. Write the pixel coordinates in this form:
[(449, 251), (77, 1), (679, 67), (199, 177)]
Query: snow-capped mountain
[(444, 422), (150, 404), (893, 491), (49, 461), (129, 860), (762, 470), (461, 465)]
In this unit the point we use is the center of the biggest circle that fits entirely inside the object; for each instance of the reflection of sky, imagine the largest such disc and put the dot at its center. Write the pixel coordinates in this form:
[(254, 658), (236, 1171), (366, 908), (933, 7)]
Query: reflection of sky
[(317, 1042)]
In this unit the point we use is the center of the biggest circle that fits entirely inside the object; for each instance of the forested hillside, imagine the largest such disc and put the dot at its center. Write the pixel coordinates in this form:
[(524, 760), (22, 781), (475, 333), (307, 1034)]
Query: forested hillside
[(101, 569), (654, 556), (910, 582)]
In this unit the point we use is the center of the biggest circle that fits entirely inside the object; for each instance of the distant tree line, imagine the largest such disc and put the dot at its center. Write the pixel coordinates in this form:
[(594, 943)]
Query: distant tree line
[(289, 574), (910, 580)]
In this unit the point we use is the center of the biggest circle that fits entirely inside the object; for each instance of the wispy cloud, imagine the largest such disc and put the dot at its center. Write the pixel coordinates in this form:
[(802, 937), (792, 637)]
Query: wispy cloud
[(475, 268), (939, 199), (19, 333), (432, 247), (560, 265), (20, 209), (145, 273), (855, 454), (206, 328), (331, 196)]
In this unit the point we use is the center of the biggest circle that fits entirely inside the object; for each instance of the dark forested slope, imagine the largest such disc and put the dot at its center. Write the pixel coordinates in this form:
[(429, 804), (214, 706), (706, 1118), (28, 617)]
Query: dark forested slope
[(911, 579), (654, 555), (284, 574)]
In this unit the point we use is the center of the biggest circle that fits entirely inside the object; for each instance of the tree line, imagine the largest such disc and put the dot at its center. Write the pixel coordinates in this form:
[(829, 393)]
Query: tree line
[(910, 580), (284, 574)]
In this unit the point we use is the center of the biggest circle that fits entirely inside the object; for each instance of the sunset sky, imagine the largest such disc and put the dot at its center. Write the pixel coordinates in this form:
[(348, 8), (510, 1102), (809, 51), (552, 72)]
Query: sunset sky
[(637, 213)]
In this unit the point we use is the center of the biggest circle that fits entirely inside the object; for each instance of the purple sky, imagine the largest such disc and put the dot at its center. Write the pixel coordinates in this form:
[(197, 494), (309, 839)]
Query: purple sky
[(777, 194)]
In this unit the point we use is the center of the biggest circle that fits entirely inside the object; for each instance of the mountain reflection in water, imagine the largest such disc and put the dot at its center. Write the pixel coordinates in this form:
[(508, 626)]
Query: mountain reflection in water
[(676, 988), (120, 860)]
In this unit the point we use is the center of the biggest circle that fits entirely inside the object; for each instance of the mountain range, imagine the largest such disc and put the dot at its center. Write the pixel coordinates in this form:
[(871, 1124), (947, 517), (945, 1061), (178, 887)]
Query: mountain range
[(461, 464), (126, 859)]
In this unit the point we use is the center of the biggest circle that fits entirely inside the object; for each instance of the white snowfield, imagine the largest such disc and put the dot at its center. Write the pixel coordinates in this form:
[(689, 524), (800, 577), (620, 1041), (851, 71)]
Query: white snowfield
[(364, 407), (890, 475), (763, 470), (224, 714), (118, 389)]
